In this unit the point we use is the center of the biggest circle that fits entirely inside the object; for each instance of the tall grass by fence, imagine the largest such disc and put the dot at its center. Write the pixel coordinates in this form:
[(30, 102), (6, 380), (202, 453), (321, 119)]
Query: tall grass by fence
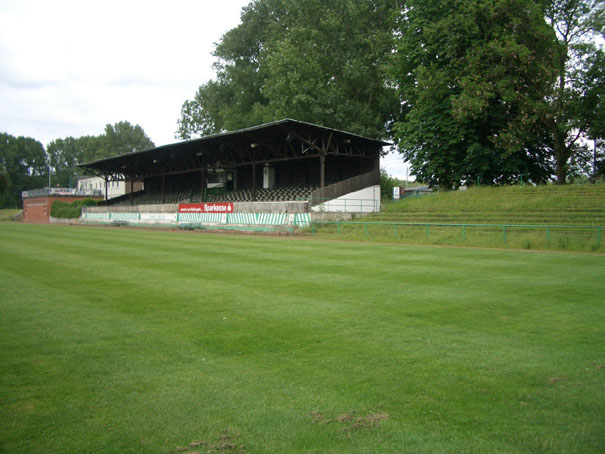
[(345, 205), (542, 237), (542, 205)]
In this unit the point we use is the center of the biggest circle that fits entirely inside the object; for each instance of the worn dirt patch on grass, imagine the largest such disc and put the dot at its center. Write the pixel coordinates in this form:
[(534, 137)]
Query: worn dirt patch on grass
[(353, 420), (225, 442)]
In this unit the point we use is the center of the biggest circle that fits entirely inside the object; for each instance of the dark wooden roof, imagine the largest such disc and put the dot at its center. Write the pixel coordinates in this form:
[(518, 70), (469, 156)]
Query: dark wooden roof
[(278, 141)]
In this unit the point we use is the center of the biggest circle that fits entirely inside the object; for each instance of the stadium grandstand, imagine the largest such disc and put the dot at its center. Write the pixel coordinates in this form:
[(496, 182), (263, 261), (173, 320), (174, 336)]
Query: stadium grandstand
[(287, 166)]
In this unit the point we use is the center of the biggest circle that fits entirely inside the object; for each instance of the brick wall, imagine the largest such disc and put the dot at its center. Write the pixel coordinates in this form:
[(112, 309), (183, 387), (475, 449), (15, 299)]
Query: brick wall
[(37, 209)]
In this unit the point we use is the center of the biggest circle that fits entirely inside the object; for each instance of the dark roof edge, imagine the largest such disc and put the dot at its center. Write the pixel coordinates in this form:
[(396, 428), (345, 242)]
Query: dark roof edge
[(237, 131)]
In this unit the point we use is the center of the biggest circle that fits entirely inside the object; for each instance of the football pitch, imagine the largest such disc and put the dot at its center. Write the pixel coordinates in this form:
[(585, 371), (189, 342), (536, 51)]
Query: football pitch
[(139, 341)]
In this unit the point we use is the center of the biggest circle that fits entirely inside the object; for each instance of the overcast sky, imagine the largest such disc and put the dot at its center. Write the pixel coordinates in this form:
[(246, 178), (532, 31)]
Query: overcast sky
[(68, 68)]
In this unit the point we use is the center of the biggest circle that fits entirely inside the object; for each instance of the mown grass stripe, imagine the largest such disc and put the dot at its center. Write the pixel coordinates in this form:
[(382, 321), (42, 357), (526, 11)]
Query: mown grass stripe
[(143, 341)]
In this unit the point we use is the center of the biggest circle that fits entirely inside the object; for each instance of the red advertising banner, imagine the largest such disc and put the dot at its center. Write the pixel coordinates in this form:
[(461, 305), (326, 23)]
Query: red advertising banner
[(206, 207)]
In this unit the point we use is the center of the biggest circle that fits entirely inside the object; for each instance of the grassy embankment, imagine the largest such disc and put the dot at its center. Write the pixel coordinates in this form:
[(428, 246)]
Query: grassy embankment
[(136, 341), (7, 214), (542, 206)]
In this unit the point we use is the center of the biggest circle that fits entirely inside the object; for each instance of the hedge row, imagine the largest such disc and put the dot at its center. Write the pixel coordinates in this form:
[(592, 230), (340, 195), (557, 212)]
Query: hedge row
[(70, 210)]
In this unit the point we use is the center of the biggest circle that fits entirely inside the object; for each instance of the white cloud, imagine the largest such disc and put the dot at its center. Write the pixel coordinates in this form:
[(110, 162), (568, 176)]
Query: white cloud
[(395, 166), (70, 67)]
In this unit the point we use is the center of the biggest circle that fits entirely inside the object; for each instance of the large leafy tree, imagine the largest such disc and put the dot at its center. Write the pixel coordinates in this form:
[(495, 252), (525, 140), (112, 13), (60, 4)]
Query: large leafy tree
[(316, 61), (5, 184), (595, 103), (66, 154), (575, 104), (124, 137), (472, 76), (23, 161)]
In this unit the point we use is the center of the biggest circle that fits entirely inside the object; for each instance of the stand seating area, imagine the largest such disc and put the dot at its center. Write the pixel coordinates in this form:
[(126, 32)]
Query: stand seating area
[(277, 194)]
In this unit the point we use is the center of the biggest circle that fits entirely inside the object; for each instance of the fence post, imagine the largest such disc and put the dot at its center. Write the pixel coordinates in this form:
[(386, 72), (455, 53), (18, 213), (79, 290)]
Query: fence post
[(395, 230), (547, 236), (464, 232), (504, 234), (599, 236), (338, 228), (313, 224), (427, 232)]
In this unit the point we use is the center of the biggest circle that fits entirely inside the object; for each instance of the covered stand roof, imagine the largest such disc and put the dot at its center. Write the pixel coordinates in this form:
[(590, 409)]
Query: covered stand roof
[(272, 142)]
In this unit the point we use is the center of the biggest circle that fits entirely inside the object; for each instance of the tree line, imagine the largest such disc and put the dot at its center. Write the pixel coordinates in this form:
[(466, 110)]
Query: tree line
[(488, 91), (469, 91), (25, 163)]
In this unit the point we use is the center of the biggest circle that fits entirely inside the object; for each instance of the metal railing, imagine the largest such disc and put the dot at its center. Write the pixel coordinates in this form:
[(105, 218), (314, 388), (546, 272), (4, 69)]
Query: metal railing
[(345, 205), (45, 192), (344, 187), (395, 229)]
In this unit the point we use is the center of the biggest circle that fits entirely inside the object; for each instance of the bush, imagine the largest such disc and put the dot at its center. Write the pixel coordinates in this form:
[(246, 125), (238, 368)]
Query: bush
[(61, 209), (88, 202), (386, 185)]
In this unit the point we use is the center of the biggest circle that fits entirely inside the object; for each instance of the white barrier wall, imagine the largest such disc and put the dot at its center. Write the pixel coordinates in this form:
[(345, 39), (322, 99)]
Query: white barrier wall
[(364, 201), (209, 219)]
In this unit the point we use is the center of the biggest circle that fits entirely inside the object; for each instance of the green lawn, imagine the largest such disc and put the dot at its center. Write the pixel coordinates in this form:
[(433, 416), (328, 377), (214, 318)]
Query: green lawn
[(134, 341)]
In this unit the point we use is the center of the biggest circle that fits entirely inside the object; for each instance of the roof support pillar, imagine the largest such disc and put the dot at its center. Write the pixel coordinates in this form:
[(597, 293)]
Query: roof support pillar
[(325, 146), (106, 177), (254, 182), (203, 184), (322, 169), (163, 189), (376, 168)]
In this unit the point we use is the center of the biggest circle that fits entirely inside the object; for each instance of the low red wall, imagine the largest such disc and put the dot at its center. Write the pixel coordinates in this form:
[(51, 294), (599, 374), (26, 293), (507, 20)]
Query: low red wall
[(37, 209)]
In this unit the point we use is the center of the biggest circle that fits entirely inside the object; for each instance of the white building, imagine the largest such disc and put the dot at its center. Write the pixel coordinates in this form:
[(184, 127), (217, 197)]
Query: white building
[(96, 186)]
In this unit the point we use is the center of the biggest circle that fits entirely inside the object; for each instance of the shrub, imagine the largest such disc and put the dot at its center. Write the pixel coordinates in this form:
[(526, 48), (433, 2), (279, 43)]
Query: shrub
[(88, 202), (61, 209)]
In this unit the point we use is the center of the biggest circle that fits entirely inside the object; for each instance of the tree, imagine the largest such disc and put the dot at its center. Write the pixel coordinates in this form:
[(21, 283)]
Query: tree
[(471, 77), (24, 162), (5, 184), (575, 104), (124, 138), (387, 183), (66, 154), (316, 61)]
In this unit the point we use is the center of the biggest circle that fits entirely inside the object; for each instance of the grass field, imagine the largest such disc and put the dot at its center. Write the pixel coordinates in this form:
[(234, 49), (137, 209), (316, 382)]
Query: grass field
[(134, 341)]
